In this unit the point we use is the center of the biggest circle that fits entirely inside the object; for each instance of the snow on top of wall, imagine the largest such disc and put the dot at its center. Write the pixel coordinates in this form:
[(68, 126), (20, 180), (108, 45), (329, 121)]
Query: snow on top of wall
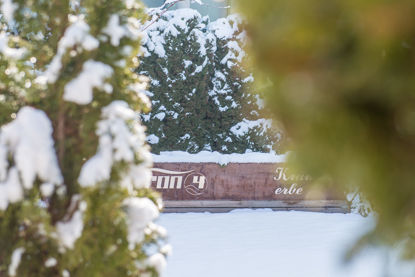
[(28, 139), (118, 141), (216, 157), (76, 34), (93, 75)]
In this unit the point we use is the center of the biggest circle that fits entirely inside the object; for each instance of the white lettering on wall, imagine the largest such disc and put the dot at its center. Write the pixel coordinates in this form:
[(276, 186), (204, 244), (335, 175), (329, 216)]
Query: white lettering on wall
[(292, 185), (293, 189)]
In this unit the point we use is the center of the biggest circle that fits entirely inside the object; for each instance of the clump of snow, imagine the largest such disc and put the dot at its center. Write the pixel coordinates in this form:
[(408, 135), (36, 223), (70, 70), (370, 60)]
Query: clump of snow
[(140, 212), (14, 53), (216, 157), (225, 28), (121, 138), (93, 75), (77, 34), (8, 8), (358, 203), (69, 231), (51, 262), (157, 261), (160, 116), (15, 261), (28, 140), (47, 189), (152, 139), (114, 30), (245, 125)]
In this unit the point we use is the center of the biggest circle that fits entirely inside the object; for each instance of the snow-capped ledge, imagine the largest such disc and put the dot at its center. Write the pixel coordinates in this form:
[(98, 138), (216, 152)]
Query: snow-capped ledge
[(216, 157)]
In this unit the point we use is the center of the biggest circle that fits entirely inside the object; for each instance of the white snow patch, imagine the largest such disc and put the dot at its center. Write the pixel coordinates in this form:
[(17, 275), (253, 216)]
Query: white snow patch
[(15, 261), (76, 34), (118, 141), (28, 139), (47, 189), (114, 30), (69, 231), (248, 243), (160, 116), (8, 8), (140, 212), (153, 139), (158, 262), (187, 63), (51, 262), (93, 75), (216, 157), (14, 53), (243, 127)]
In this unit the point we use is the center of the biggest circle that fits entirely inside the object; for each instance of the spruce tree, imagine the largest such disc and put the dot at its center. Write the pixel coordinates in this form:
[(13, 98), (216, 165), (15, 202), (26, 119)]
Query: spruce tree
[(202, 94), (74, 165)]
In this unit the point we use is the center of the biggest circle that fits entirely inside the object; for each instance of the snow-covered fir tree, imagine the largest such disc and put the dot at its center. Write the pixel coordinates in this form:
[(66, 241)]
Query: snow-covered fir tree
[(202, 96), (74, 165)]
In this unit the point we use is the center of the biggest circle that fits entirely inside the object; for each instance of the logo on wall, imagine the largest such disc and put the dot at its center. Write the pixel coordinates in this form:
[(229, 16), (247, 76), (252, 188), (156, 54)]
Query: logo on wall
[(193, 183)]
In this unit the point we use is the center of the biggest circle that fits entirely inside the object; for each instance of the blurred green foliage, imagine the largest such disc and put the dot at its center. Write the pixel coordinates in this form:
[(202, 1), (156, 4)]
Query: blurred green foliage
[(343, 85)]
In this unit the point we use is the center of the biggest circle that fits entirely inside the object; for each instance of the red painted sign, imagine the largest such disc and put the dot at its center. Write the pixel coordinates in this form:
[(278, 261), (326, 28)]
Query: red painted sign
[(235, 181)]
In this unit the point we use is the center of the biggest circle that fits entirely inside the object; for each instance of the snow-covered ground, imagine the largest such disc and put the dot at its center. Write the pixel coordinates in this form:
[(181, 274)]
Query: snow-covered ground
[(262, 243)]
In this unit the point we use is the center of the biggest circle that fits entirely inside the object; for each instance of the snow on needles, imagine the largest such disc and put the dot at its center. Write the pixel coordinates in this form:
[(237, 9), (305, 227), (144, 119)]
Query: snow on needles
[(69, 231), (28, 140), (76, 34), (121, 138), (8, 8), (116, 31), (243, 127), (93, 75), (140, 212), (16, 257), (170, 24), (7, 51)]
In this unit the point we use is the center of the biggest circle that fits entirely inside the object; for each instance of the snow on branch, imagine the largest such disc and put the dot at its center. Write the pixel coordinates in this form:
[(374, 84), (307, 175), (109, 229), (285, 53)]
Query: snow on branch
[(8, 8), (27, 154), (93, 75), (121, 139), (76, 34), (68, 231), (13, 53), (140, 212)]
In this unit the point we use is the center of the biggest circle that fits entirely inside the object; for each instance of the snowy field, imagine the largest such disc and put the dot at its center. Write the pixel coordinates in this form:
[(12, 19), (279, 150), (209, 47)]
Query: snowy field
[(262, 243)]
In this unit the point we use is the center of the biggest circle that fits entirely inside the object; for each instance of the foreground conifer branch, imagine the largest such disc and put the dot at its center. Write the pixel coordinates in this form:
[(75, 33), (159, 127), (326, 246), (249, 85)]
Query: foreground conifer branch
[(74, 165)]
